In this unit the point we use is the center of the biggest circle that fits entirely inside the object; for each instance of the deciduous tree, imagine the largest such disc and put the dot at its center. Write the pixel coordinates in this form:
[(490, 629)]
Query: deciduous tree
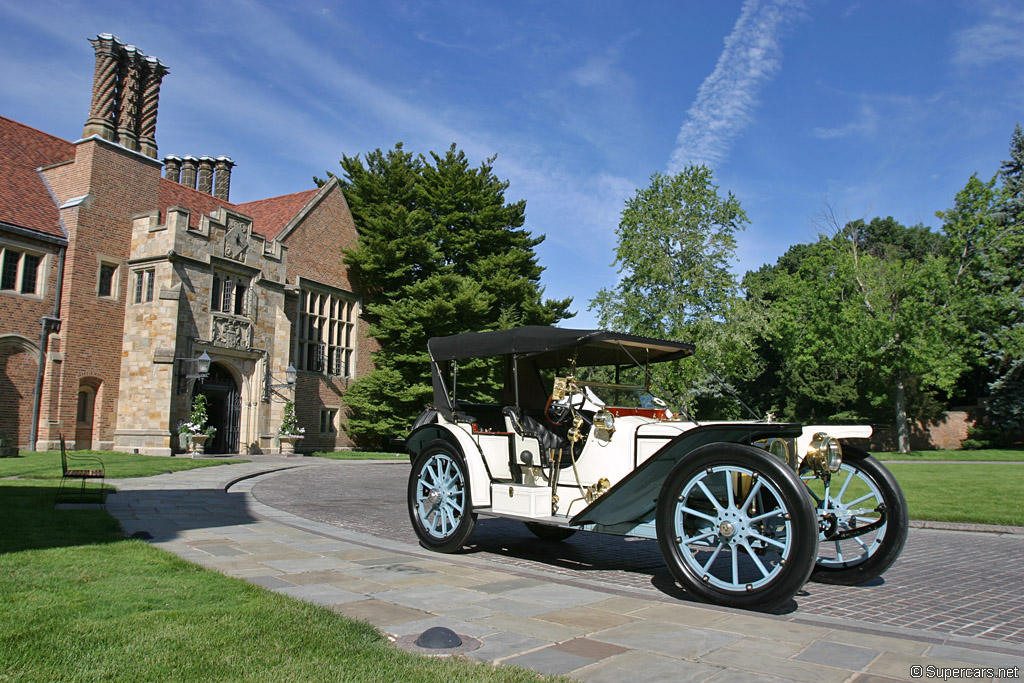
[(676, 238)]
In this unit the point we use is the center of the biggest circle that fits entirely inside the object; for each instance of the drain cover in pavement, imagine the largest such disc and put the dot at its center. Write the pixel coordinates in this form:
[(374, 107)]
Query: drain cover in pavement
[(437, 642)]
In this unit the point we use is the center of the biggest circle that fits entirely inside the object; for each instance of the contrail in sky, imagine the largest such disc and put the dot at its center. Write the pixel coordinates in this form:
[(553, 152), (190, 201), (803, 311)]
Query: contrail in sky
[(727, 98)]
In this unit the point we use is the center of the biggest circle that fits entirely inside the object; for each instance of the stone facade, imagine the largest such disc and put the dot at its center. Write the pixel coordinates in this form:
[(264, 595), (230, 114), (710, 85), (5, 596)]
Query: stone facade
[(115, 279)]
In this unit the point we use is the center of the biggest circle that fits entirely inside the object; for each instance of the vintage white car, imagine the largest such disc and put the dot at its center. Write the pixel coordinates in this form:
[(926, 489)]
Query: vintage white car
[(744, 512)]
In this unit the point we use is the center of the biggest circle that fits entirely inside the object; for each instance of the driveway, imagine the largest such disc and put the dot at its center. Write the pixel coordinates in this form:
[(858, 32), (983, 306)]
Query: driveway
[(949, 582)]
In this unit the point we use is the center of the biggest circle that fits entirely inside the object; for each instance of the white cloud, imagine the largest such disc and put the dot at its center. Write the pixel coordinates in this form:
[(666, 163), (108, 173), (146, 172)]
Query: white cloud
[(727, 98), (998, 36), (602, 70), (864, 125)]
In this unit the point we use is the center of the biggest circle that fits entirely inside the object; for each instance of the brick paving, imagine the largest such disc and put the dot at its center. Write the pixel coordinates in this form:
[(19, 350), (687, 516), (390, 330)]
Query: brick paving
[(946, 582)]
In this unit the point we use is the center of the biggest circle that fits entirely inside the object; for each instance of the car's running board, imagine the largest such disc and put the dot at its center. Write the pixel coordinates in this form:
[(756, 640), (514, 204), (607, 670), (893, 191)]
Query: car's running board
[(550, 520)]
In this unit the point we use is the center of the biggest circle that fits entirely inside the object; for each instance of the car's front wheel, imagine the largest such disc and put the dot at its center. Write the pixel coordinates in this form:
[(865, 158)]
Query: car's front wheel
[(864, 515), (736, 527), (438, 495)]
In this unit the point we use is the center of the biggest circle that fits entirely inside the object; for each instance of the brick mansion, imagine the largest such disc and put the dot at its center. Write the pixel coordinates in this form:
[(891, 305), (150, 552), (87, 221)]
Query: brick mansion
[(121, 272)]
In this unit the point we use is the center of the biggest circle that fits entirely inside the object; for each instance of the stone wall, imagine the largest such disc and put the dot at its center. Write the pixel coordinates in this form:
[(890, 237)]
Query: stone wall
[(942, 434), (185, 252)]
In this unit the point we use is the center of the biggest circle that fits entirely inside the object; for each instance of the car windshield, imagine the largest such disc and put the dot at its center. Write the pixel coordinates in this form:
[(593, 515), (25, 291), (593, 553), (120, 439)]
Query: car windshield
[(624, 387)]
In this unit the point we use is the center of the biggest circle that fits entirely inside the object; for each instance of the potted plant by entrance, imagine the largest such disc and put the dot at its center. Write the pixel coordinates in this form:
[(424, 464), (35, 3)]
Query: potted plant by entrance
[(195, 433), (290, 431)]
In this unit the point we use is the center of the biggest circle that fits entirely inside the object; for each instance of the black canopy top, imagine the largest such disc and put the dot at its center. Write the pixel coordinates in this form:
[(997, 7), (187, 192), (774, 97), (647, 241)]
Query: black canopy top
[(558, 347)]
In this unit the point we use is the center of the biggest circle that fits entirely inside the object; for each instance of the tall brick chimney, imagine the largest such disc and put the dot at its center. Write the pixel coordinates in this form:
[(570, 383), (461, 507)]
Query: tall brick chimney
[(172, 168), (205, 183), (153, 73), (222, 181), (188, 171), (102, 118), (125, 95)]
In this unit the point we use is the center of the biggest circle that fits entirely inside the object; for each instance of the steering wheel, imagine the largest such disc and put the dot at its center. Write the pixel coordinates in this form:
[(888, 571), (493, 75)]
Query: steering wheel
[(557, 414)]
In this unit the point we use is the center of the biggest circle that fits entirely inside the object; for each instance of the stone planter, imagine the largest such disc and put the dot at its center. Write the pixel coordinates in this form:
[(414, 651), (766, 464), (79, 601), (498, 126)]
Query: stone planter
[(288, 444), (199, 444)]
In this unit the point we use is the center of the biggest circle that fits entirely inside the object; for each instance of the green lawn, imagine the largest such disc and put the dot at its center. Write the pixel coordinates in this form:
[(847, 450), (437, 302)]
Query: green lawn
[(991, 454), (360, 455), (975, 493), (46, 464), (81, 602)]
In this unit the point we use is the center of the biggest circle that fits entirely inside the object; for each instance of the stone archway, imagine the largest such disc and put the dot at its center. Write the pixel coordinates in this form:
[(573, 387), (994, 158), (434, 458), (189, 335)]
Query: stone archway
[(224, 408)]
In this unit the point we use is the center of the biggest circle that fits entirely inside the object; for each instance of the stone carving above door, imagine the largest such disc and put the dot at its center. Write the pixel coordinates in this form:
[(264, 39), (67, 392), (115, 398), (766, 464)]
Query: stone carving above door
[(231, 333)]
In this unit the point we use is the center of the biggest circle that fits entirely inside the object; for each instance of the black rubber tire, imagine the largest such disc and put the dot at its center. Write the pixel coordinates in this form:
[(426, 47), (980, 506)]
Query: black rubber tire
[(786, 577), (546, 532), (441, 459), (896, 523)]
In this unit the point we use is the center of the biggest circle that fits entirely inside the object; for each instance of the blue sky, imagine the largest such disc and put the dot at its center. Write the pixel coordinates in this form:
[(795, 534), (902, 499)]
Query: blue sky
[(872, 108)]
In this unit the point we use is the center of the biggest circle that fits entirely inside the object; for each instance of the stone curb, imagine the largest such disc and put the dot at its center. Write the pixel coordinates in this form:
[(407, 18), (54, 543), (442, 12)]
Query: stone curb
[(958, 526)]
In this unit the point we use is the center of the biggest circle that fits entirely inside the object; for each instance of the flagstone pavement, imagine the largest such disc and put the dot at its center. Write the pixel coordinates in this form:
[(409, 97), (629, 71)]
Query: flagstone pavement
[(588, 630)]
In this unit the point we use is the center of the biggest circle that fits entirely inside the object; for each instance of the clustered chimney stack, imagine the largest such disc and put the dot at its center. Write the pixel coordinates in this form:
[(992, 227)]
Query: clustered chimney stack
[(206, 174), (125, 95)]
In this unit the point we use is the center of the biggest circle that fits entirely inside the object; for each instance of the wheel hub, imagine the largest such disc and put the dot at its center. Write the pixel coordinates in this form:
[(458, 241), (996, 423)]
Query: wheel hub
[(435, 496), (727, 529)]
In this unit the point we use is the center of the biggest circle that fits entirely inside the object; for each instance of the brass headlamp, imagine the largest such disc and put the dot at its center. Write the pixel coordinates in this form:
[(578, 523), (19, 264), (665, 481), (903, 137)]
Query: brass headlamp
[(825, 454)]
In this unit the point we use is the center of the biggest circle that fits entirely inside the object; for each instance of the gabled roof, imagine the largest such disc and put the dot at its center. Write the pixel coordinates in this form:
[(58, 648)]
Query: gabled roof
[(25, 201), (270, 216)]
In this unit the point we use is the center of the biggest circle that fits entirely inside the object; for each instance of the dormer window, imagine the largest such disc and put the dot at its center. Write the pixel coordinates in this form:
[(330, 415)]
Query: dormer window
[(228, 293)]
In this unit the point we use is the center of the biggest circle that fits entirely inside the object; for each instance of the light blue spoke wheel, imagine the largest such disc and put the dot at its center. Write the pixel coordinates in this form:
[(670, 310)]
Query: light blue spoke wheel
[(863, 520), (736, 527), (438, 495)]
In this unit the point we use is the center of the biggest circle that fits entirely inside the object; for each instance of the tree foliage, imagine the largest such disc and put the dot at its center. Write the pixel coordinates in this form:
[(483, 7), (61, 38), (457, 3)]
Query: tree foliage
[(986, 230), (439, 252), (676, 238), (862, 323)]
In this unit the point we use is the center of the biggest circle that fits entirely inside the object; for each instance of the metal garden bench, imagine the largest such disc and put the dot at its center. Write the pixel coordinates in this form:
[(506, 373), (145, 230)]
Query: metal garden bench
[(83, 467)]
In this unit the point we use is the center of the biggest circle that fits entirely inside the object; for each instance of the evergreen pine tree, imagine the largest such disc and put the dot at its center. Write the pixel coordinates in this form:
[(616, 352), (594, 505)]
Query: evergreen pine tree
[(439, 252)]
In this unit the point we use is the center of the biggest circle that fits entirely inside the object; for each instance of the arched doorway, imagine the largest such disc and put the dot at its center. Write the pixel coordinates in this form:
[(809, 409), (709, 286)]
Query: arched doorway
[(85, 413), (224, 408)]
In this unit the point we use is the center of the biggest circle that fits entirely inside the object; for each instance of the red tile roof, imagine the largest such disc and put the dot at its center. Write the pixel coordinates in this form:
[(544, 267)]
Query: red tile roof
[(270, 216), (199, 203), (24, 199)]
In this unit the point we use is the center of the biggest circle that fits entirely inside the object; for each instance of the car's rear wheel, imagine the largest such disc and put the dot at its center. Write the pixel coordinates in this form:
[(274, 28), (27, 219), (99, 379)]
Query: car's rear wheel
[(547, 532), (865, 517), (736, 527), (438, 495)]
